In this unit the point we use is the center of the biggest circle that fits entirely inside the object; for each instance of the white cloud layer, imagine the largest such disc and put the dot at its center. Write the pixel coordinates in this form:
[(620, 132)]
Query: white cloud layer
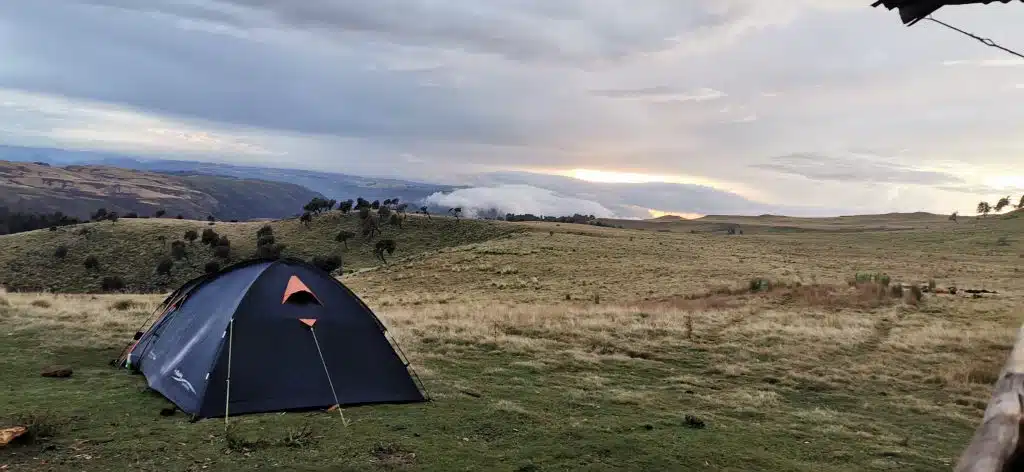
[(518, 199)]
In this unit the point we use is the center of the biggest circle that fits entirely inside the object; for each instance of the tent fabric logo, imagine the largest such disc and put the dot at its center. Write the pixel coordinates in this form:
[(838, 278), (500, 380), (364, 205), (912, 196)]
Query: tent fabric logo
[(178, 377)]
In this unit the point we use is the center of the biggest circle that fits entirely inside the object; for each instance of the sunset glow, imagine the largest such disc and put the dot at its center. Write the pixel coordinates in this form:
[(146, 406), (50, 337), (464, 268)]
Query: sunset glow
[(613, 177), (658, 214)]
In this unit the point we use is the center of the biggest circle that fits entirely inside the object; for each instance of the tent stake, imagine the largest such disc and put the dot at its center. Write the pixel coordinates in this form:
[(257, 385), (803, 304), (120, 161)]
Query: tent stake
[(328, 372)]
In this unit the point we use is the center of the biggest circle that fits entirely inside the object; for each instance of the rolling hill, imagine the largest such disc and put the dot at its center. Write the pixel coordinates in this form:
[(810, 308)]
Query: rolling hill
[(78, 190), (131, 248)]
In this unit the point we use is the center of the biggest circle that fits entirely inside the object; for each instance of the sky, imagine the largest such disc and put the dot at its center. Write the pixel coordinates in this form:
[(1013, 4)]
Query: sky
[(813, 107)]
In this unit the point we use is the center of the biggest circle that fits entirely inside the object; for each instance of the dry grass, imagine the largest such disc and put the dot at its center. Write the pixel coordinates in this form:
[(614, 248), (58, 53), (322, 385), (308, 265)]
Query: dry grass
[(824, 374)]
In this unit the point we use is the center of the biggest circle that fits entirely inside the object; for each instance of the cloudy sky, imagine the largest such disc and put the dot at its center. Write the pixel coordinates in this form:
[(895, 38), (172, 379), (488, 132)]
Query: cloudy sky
[(822, 103)]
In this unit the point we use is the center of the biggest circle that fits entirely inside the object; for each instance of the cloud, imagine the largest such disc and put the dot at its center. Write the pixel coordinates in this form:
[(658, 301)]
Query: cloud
[(986, 63), (518, 199), (661, 94), (854, 168)]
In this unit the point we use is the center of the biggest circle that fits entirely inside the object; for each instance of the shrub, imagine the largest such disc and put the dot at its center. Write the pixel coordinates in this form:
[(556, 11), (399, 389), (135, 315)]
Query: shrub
[(266, 240), (53, 227), (160, 214), (61, 252), (866, 278), (915, 295), (131, 214), (191, 235), (209, 236), (164, 266), (178, 250), (125, 305), (327, 264), (112, 283), (306, 218), (211, 267), (224, 241), (896, 291), (223, 252), (41, 304), (265, 230), (91, 262), (760, 285), (270, 251)]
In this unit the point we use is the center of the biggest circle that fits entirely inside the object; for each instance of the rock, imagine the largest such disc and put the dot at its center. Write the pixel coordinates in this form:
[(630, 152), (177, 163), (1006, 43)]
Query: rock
[(59, 372)]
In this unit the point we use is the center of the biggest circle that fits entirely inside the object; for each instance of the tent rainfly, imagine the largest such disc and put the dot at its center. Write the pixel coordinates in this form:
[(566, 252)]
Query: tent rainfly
[(269, 335), (912, 11)]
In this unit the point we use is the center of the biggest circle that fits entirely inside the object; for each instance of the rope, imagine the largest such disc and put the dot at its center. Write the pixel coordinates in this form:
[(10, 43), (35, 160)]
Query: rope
[(227, 394), (985, 41), (328, 372)]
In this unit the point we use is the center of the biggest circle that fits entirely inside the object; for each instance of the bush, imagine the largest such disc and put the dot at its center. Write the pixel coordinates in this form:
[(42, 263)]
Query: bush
[(224, 241), (131, 214), (867, 278), (112, 283), (61, 252), (896, 291), (223, 252), (178, 250), (265, 230), (915, 295), (270, 251), (209, 237), (164, 266), (191, 235), (267, 240), (161, 213), (91, 262), (327, 264), (211, 267)]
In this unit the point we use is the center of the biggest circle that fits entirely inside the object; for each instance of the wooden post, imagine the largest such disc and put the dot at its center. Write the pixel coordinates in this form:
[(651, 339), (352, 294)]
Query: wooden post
[(994, 447)]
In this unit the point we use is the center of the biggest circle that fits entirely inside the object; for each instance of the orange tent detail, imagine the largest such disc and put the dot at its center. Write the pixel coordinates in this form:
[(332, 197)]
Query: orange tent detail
[(308, 321), (295, 285)]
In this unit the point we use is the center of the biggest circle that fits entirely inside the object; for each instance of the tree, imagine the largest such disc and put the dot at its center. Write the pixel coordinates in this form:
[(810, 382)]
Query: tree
[(112, 283), (984, 208), (952, 217), (384, 245), (361, 203), (209, 237), (343, 237), (191, 236), (1021, 203), (395, 220), (306, 218), (369, 227), (364, 213), (383, 213), (345, 207), (424, 211), (401, 207), (61, 252), (180, 216), (178, 250), (211, 267), (131, 214), (264, 230), (223, 252), (375, 205), (91, 263), (99, 215), (223, 241), (270, 251), (211, 219), (327, 264), (387, 202), (1002, 203), (164, 266), (160, 213), (265, 240), (112, 216), (456, 212)]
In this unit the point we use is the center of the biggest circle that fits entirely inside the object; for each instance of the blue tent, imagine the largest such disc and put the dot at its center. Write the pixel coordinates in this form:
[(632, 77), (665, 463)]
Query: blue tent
[(269, 335)]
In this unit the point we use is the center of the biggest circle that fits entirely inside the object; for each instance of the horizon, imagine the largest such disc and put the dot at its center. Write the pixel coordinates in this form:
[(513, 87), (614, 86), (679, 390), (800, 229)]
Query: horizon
[(674, 108)]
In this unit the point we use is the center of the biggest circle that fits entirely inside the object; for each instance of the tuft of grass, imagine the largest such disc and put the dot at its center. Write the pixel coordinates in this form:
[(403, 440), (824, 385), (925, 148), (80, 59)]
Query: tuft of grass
[(41, 303), (125, 304)]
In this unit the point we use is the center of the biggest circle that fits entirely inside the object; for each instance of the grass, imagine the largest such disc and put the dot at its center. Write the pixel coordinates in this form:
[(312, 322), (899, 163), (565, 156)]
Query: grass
[(685, 364), (132, 248)]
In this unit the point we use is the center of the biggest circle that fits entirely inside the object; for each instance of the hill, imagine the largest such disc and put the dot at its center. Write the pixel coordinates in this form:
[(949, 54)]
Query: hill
[(782, 224), (80, 190), (131, 248), (332, 185), (569, 347)]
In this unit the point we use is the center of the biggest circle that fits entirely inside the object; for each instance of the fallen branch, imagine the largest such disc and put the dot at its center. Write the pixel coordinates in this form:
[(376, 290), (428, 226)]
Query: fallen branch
[(995, 445)]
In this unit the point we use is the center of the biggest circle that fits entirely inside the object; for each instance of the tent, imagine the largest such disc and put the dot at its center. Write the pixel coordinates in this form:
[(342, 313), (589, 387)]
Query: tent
[(269, 335)]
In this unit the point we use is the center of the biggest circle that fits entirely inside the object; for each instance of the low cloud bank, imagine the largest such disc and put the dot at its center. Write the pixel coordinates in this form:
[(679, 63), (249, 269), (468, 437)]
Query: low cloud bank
[(518, 199)]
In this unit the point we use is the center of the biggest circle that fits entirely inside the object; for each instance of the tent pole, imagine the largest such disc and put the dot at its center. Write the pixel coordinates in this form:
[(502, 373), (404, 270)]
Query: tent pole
[(328, 372), (227, 394)]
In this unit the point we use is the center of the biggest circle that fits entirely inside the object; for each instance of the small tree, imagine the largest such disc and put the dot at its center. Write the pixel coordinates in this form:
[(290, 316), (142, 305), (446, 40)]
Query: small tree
[(369, 227), (384, 213), (270, 251), (178, 250), (209, 237), (382, 246), (91, 263), (222, 252), (211, 267), (424, 211), (1002, 203), (211, 219), (952, 217), (364, 213), (265, 240), (456, 212), (223, 241), (112, 283), (395, 220), (180, 216), (191, 236), (984, 208), (327, 264), (345, 207), (1021, 203), (61, 252), (160, 213), (265, 230), (113, 217), (131, 214), (99, 215), (306, 218), (164, 266), (343, 237), (375, 205)]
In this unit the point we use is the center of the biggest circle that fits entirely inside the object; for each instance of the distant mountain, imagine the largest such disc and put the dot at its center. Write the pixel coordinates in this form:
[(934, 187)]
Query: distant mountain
[(78, 191), (331, 185)]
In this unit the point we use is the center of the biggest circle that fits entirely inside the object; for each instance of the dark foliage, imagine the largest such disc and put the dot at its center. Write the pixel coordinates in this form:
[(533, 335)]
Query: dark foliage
[(191, 235), (223, 241), (306, 218), (131, 214), (327, 264), (344, 236), (164, 266), (112, 283), (211, 267), (223, 252), (265, 240), (61, 252), (345, 206), (265, 230), (178, 250), (209, 237), (159, 213), (270, 251), (382, 246), (91, 263), (319, 205), (15, 222)]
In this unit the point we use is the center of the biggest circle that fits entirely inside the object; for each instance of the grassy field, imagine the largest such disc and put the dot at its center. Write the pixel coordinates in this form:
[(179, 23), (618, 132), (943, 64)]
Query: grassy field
[(131, 248), (567, 347)]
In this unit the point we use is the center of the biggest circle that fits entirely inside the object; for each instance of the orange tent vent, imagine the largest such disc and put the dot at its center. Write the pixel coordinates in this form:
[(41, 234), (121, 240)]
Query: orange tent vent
[(295, 286), (308, 321)]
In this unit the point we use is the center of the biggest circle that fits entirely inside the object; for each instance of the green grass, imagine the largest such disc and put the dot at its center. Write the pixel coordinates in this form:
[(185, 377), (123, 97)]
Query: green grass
[(131, 248)]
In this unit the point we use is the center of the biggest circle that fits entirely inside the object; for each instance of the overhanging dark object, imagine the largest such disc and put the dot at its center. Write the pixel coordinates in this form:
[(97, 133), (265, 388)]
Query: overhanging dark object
[(269, 335), (912, 11)]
